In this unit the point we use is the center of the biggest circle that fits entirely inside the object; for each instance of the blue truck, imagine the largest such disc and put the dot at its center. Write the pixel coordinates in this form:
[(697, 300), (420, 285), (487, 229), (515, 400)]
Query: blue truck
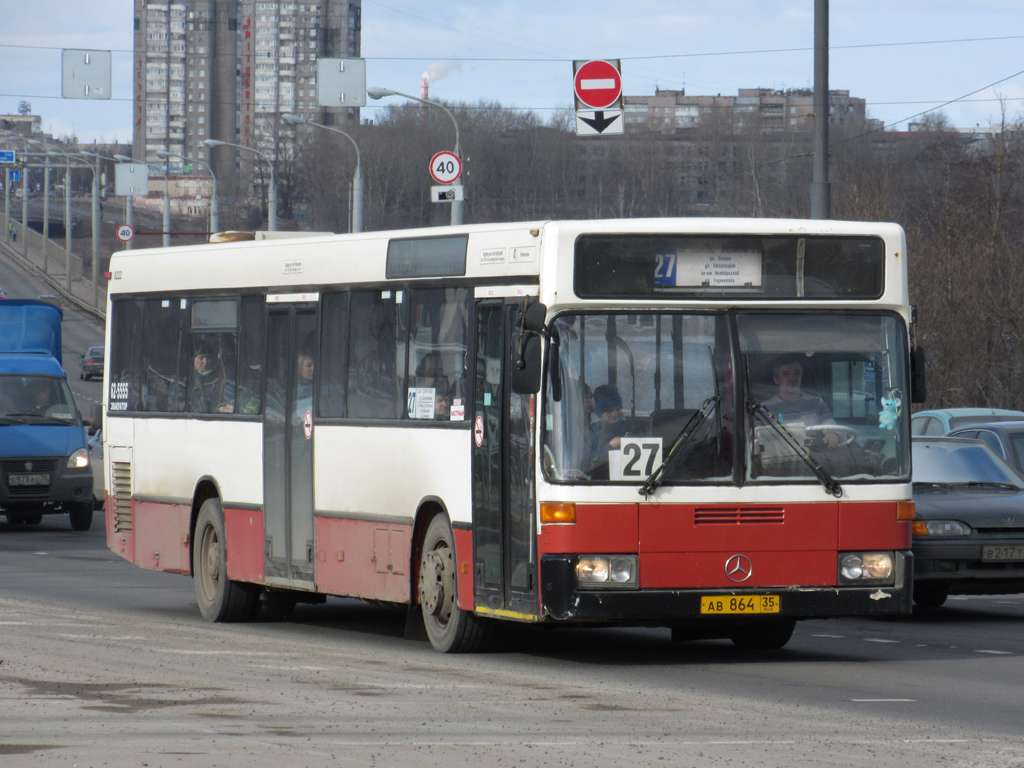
[(44, 454)]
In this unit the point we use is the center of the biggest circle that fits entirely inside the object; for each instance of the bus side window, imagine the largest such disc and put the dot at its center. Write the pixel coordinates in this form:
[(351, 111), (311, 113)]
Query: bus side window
[(252, 324), (437, 358), (166, 326), (333, 355), (373, 391)]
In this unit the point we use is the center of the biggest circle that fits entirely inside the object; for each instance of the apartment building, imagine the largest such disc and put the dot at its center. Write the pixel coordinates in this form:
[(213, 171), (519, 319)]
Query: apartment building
[(765, 109), (226, 70)]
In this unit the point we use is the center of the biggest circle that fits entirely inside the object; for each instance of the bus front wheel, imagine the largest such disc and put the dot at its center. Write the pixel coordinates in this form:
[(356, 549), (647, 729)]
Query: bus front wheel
[(764, 635), (449, 628), (219, 598)]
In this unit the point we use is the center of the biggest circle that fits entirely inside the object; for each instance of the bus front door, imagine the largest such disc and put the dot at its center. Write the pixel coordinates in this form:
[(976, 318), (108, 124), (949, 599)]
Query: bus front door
[(288, 446), (504, 532)]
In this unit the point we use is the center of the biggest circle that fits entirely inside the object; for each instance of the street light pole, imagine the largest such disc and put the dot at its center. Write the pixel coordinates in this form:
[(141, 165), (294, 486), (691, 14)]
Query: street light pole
[(95, 226), (271, 193), (67, 219), (380, 93), (357, 177), (214, 208)]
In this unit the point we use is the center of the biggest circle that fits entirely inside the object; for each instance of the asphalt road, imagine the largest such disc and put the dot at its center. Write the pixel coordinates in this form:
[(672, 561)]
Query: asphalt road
[(104, 664)]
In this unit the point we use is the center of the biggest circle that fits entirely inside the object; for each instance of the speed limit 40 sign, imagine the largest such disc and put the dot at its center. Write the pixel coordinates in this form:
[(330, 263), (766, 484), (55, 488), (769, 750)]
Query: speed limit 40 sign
[(445, 167), (125, 233)]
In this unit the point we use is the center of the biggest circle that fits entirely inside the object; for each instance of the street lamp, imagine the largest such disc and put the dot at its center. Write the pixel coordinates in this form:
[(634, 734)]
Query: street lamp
[(214, 208), (380, 93), (357, 177), (271, 193)]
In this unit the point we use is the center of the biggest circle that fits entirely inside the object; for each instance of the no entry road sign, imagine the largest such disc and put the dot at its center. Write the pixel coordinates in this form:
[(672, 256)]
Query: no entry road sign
[(598, 84)]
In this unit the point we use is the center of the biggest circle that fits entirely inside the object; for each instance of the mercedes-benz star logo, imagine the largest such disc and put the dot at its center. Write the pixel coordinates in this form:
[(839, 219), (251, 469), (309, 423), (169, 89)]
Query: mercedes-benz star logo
[(738, 568)]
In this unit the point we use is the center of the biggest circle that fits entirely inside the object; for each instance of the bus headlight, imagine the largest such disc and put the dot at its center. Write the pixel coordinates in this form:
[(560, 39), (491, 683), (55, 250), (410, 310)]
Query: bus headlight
[(79, 459), (607, 572), (866, 568)]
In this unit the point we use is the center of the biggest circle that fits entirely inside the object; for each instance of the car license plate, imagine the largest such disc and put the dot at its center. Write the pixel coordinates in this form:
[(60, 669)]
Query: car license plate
[(1003, 552), (730, 604), (13, 480)]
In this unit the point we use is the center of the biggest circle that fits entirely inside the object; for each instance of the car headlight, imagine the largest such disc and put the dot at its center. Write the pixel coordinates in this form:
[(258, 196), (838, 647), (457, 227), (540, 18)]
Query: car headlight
[(866, 568), (607, 572), (79, 459), (940, 528)]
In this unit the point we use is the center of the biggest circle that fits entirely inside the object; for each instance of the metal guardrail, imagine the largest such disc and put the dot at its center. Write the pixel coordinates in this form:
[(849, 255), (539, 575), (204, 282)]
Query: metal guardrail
[(48, 260)]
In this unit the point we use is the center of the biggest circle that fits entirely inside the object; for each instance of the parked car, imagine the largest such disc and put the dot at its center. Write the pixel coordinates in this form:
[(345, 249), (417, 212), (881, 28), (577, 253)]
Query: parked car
[(1006, 438), (92, 363), (968, 530), (942, 421), (56, 301)]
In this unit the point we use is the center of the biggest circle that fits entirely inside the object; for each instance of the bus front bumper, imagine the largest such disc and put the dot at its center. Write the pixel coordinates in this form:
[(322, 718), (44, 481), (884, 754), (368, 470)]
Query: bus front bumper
[(562, 601)]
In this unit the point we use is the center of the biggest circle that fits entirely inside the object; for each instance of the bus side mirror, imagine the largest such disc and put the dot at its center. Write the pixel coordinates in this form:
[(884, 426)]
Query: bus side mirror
[(96, 416), (918, 387), (526, 364), (533, 317)]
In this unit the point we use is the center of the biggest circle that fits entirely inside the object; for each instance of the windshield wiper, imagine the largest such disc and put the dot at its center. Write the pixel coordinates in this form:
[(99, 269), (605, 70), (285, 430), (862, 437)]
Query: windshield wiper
[(989, 484), (830, 483), (675, 451), (11, 418)]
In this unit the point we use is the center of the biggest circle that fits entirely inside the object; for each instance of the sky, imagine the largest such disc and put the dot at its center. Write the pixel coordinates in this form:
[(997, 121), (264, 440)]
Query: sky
[(904, 58)]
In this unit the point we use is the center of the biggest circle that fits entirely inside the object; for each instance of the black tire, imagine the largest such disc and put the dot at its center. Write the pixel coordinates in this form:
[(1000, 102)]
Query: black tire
[(764, 635), (272, 606), (449, 628), (219, 598), (930, 597), (15, 519), (33, 518), (81, 516)]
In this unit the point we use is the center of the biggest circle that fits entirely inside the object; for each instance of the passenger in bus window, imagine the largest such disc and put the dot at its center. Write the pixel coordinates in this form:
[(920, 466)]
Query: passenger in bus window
[(304, 385), (792, 405), (206, 393)]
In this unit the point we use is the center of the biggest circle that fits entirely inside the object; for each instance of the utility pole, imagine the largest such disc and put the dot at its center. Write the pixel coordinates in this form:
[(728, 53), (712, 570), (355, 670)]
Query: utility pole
[(821, 193)]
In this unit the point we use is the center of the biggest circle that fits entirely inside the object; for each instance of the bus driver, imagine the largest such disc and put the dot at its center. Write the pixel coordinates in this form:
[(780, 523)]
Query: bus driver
[(791, 404)]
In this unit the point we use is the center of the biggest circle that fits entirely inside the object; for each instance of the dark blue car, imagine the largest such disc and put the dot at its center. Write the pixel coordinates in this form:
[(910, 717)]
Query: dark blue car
[(968, 529)]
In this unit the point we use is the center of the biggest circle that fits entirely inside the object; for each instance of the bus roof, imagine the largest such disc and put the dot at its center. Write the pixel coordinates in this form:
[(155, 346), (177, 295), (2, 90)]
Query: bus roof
[(498, 252)]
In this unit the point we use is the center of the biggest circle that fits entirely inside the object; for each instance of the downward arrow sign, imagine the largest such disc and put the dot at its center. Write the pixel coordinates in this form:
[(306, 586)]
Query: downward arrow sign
[(599, 123)]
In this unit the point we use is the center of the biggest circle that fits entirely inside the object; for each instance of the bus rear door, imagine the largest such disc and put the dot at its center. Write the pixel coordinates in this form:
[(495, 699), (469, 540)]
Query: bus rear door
[(288, 444)]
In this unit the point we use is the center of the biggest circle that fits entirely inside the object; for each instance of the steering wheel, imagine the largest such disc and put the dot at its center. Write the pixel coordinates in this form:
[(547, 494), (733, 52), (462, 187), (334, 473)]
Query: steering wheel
[(817, 433)]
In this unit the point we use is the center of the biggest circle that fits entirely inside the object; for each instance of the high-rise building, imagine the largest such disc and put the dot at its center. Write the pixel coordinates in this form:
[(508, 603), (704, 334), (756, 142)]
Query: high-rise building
[(227, 70)]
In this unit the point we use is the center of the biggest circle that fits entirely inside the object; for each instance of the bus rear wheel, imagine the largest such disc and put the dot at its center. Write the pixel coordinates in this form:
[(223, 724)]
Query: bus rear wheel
[(219, 598), (449, 628)]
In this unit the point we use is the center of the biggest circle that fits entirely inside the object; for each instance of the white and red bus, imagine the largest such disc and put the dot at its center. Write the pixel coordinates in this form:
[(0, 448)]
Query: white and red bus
[(699, 424)]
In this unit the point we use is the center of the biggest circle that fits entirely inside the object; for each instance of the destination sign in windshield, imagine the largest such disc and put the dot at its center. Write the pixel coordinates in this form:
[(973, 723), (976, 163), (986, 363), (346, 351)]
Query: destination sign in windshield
[(707, 269), (729, 266)]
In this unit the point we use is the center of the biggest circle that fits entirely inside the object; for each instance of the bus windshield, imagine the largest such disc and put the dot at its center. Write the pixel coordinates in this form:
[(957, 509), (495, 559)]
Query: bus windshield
[(726, 398)]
